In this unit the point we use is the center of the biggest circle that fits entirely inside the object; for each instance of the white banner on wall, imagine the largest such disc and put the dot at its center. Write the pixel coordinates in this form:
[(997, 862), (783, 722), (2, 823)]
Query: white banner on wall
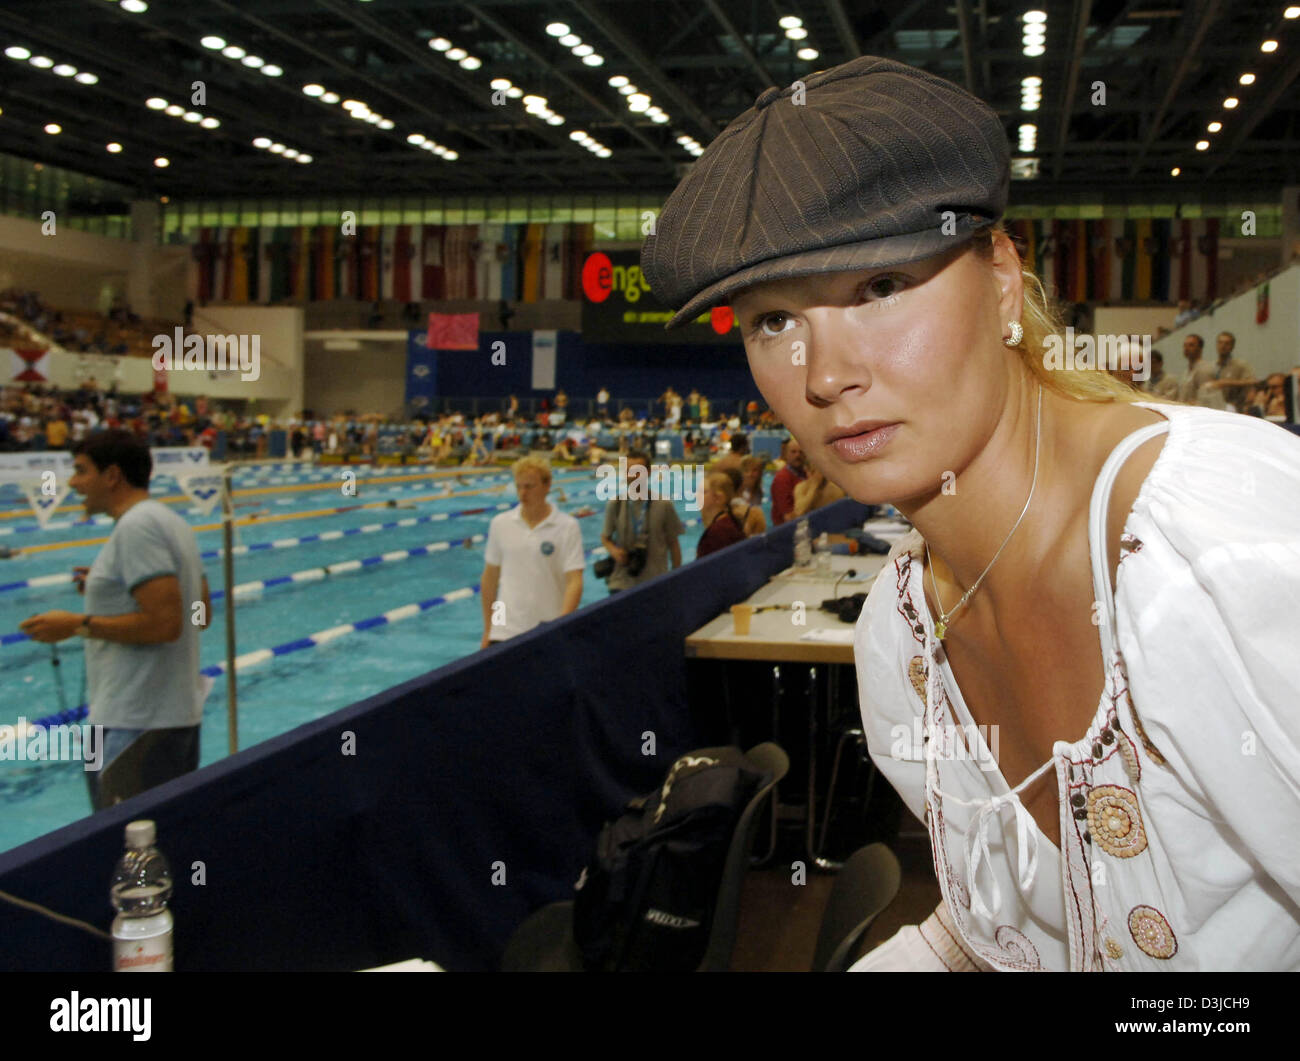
[(544, 360), (165, 460)]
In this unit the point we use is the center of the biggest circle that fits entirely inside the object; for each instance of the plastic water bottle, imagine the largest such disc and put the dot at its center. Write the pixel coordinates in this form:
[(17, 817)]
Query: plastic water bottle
[(822, 552), (142, 884), (802, 544)]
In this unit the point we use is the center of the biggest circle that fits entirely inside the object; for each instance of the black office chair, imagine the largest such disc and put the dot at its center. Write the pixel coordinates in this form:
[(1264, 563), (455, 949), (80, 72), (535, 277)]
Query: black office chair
[(863, 889), (545, 941)]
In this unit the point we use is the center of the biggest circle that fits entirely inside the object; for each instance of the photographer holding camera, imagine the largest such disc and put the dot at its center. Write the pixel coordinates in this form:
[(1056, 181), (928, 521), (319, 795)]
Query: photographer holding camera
[(640, 535)]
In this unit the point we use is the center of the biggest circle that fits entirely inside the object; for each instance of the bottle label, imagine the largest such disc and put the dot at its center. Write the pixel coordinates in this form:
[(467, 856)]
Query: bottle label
[(152, 955)]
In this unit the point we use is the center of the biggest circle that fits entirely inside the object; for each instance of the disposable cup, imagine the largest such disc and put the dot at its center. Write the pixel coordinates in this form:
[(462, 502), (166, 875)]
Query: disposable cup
[(740, 616)]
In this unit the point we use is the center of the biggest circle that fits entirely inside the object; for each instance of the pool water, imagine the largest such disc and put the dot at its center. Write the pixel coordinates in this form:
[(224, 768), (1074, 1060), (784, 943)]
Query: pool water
[(286, 691)]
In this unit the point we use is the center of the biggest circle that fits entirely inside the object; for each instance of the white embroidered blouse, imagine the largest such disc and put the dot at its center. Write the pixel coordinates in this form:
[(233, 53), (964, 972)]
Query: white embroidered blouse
[(1180, 805)]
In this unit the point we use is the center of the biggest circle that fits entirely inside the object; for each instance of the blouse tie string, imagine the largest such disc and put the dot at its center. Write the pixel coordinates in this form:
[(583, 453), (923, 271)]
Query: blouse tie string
[(977, 846)]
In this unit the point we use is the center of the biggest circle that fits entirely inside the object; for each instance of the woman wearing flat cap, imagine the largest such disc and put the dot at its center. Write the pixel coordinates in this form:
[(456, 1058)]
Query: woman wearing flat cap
[(1112, 584)]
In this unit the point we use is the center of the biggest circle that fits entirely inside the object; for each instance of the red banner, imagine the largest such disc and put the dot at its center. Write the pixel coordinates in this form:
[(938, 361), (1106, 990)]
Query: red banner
[(453, 331)]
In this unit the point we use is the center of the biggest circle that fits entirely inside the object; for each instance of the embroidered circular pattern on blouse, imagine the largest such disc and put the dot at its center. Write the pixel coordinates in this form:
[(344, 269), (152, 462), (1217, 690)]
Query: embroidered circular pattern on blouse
[(1151, 932), (1018, 949), (1115, 821), (916, 674)]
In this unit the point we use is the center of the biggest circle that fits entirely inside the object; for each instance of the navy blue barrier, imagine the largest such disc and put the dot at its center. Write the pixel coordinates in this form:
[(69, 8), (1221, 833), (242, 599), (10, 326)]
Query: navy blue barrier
[(505, 762)]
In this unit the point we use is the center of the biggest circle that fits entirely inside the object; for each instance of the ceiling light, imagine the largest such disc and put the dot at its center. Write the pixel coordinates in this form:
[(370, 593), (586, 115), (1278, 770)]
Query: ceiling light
[(136, 7), (290, 152), (1175, 171), (1029, 105), (1034, 16), (440, 44), (1268, 46), (304, 158), (192, 117), (604, 152), (789, 21), (683, 139), (617, 81), (1247, 79), (162, 163), (372, 117), (155, 103), (471, 63), (1202, 145), (210, 123), (233, 51), (451, 156), (532, 100), (253, 60), (636, 108), (627, 90), (557, 29), (385, 123), (271, 70), (583, 50), (500, 83), (87, 78), (330, 97), (1291, 12), (638, 98), (1034, 50), (64, 70), (353, 104), (17, 51), (1214, 127), (514, 92), (1231, 102), (54, 128), (174, 109), (41, 62), (457, 54), (313, 90), (114, 148), (276, 149), (808, 54), (570, 39), (262, 142), (659, 118), (215, 43), (796, 34), (593, 60), (1031, 82), (554, 119), (417, 139), (577, 134)]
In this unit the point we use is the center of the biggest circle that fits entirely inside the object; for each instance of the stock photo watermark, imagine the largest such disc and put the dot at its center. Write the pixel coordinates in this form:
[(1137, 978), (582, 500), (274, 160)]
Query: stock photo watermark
[(660, 482), (209, 353), (34, 743)]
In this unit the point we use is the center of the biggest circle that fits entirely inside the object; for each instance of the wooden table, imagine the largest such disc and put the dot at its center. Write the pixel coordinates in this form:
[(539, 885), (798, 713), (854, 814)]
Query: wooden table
[(775, 637)]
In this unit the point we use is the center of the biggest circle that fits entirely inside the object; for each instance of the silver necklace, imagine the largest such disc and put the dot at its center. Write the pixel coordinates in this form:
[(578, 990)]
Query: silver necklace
[(941, 627)]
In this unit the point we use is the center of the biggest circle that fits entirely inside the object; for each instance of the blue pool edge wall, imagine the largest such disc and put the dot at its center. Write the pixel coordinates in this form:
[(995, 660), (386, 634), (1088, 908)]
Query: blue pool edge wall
[(472, 795)]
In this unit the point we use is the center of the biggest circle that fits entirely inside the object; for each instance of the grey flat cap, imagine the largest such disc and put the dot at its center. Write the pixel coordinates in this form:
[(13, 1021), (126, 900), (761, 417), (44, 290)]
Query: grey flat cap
[(856, 170)]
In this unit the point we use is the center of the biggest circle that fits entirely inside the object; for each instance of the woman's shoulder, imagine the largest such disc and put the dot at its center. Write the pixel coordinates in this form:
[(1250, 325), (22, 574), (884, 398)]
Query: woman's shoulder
[(1222, 478)]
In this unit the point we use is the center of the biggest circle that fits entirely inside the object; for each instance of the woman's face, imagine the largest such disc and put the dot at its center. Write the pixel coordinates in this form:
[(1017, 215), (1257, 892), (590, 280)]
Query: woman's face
[(910, 357)]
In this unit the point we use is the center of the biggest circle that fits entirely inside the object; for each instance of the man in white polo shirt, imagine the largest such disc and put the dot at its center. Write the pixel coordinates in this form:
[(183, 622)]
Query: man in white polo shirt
[(533, 570)]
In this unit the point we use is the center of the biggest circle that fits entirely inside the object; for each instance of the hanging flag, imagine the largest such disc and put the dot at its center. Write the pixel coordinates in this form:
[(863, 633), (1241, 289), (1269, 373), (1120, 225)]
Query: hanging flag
[(421, 372), (453, 331), (1261, 304), (44, 504), (201, 485), (30, 364)]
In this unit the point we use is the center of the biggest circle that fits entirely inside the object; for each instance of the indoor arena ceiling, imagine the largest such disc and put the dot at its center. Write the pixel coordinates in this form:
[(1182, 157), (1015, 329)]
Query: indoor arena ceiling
[(1169, 71)]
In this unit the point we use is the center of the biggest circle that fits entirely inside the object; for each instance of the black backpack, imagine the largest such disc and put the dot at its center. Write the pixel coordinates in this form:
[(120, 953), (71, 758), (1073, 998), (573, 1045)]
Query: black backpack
[(647, 900)]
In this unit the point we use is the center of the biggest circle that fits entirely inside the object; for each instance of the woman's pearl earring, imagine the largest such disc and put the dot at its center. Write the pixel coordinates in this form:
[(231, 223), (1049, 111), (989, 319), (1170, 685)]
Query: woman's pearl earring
[(1017, 333)]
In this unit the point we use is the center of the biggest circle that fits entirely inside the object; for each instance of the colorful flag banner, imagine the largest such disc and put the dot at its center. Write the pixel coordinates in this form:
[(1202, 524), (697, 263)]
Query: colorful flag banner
[(30, 364)]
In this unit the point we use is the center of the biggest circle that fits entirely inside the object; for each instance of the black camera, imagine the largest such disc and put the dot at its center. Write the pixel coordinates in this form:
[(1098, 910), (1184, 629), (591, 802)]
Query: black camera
[(636, 557), (604, 567)]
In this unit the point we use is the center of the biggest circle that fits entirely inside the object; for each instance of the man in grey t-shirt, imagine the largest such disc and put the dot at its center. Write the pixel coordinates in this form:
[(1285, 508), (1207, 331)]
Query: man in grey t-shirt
[(652, 523), (140, 623)]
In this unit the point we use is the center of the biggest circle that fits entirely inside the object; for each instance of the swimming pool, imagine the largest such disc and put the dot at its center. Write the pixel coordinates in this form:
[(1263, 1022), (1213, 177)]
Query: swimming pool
[(288, 690)]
